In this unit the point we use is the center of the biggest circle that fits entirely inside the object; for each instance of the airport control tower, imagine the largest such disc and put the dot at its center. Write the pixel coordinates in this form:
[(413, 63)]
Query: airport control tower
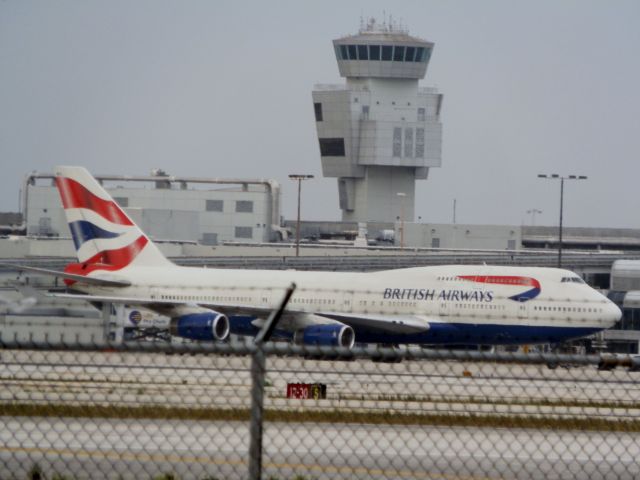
[(380, 131)]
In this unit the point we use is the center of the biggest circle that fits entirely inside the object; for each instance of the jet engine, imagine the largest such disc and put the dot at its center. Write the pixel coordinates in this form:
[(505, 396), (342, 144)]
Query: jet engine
[(204, 326), (331, 335)]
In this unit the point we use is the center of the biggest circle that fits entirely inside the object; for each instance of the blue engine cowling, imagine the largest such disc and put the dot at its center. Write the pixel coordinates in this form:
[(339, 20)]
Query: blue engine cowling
[(326, 335), (206, 326)]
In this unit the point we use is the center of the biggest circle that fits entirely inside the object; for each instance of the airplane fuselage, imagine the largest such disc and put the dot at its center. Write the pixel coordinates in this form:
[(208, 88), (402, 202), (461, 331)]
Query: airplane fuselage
[(430, 305)]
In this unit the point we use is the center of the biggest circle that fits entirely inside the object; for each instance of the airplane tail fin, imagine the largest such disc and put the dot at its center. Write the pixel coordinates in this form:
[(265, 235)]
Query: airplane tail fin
[(104, 236)]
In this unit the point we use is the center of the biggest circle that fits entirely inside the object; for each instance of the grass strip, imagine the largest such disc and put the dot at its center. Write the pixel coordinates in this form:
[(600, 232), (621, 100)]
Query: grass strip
[(541, 402), (324, 416)]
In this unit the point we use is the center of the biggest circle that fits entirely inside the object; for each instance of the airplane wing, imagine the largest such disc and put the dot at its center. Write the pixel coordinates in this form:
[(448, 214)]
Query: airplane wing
[(397, 324), (156, 303), (151, 301), (101, 281)]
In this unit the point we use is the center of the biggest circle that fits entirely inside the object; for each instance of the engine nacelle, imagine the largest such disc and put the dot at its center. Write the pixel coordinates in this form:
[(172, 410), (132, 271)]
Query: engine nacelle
[(205, 326), (330, 335)]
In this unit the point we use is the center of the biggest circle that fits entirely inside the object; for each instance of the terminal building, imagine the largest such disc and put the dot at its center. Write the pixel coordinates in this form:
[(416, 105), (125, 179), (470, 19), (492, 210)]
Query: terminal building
[(208, 211), (381, 131), (624, 337)]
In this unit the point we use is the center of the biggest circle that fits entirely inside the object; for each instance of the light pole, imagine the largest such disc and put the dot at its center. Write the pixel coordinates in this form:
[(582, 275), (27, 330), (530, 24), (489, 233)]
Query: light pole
[(533, 212), (555, 176), (401, 195), (299, 178)]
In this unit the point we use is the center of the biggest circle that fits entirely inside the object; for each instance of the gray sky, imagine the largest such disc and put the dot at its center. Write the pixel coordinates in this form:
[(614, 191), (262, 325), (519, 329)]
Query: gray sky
[(224, 89)]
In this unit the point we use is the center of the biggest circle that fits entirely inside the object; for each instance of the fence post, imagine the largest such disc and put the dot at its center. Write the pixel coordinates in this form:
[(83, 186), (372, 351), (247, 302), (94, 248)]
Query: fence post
[(258, 363), (258, 372)]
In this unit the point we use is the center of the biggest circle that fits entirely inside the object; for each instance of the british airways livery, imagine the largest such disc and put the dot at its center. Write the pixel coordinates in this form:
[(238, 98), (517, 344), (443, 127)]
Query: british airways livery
[(457, 304)]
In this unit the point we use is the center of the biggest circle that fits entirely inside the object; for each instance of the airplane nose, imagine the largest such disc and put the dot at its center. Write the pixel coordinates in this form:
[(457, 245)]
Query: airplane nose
[(613, 314)]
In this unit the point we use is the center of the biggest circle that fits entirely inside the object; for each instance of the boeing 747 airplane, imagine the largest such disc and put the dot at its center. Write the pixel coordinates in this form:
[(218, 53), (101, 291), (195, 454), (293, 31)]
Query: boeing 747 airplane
[(457, 304)]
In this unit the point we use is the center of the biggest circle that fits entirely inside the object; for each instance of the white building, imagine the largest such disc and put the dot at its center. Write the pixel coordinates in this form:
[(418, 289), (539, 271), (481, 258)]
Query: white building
[(208, 211), (461, 236), (380, 131)]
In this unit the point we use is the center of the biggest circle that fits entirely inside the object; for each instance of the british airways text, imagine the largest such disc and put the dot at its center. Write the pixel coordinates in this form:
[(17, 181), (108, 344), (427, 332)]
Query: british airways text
[(427, 294)]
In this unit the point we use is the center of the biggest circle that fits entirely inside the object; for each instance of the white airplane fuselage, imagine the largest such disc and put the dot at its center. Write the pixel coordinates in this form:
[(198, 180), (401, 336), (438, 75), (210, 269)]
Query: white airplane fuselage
[(431, 305)]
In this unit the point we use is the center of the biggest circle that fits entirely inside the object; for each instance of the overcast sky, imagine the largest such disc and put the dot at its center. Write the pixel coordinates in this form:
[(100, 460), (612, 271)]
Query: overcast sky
[(223, 89)]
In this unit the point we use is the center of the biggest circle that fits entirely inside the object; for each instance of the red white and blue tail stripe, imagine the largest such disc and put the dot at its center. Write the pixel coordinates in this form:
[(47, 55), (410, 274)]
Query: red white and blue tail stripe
[(103, 234)]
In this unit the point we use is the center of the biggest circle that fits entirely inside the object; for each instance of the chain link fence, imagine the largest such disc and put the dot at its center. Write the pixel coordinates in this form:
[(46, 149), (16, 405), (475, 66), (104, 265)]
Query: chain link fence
[(187, 412)]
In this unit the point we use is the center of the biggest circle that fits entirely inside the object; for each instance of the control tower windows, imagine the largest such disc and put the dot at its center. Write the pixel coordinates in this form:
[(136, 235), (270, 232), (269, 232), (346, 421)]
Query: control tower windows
[(383, 52), (332, 147), (409, 54), (397, 142), (317, 108), (398, 54), (419, 142), (409, 136), (408, 142)]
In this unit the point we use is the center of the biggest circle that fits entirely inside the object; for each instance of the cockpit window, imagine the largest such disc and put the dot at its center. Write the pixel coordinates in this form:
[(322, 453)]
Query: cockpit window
[(571, 280)]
